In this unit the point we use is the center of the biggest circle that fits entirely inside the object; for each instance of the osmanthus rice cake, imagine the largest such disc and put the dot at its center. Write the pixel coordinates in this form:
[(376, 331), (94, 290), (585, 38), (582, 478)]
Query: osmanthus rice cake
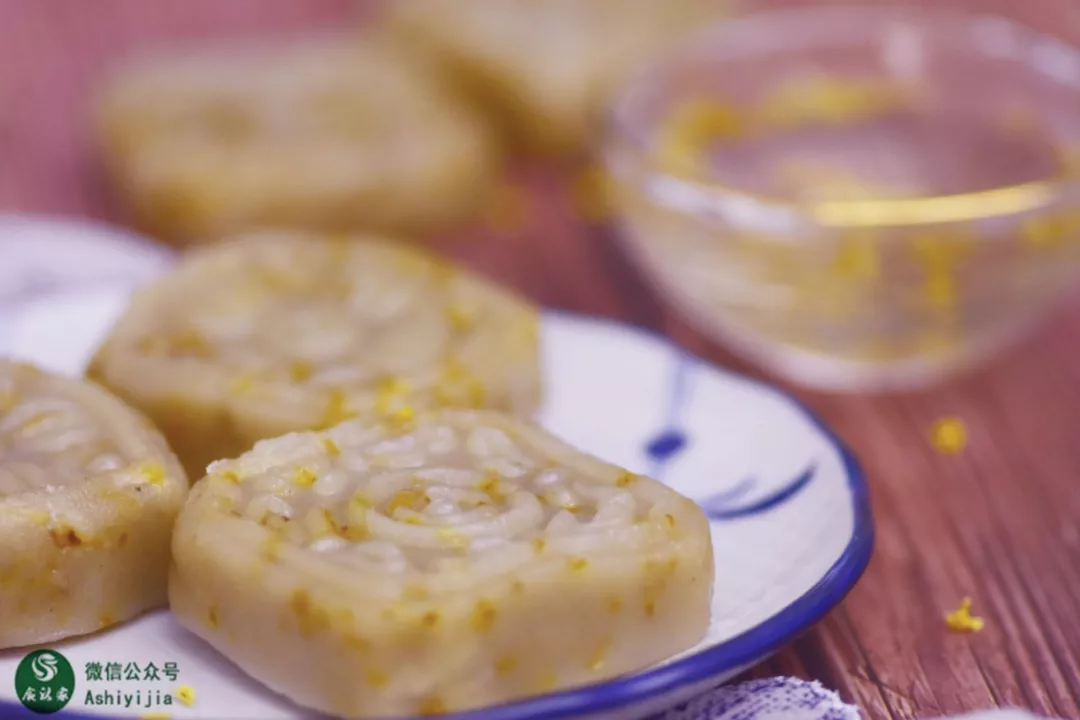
[(273, 332), (88, 495), (463, 559)]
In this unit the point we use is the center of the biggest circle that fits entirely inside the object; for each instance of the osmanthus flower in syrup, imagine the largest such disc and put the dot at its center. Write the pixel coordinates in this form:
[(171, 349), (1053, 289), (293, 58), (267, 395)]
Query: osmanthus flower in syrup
[(461, 559), (270, 333), (88, 495)]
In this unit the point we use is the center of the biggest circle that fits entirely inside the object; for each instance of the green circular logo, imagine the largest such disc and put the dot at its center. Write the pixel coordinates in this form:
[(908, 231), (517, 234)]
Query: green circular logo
[(45, 681)]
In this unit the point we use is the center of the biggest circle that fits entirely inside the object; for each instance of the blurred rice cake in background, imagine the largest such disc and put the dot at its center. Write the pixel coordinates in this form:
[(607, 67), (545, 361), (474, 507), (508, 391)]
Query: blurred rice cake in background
[(331, 133), (546, 68)]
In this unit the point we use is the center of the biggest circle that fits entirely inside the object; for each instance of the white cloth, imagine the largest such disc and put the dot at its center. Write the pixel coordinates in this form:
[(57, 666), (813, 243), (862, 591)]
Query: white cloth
[(769, 699), (791, 699)]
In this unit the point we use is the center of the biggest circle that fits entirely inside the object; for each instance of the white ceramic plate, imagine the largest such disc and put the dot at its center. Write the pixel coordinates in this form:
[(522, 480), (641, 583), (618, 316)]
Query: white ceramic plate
[(791, 528)]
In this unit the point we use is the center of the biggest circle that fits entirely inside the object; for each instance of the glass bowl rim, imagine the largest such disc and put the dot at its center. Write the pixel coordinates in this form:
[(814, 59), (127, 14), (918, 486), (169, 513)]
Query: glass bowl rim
[(997, 202)]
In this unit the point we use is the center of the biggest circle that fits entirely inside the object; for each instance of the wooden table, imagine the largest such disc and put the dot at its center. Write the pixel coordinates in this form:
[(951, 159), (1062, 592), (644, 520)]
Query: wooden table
[(999, 522)]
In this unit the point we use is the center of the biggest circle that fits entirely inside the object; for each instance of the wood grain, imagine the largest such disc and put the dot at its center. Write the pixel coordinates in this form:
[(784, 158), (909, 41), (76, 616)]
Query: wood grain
[(999, 522)]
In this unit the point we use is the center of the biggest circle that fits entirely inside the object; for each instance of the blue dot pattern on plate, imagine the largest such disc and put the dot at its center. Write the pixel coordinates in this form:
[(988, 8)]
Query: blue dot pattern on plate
[(671, 440), (667, 444)]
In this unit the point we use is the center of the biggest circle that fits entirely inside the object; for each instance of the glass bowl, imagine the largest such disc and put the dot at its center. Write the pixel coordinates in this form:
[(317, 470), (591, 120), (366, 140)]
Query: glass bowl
[(858, 198)]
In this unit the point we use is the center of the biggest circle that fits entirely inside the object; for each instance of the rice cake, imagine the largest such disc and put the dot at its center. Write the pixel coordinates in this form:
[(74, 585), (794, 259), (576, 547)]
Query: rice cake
[(88, 495), (328, 133), (469, 559), (273, 332), (547, 68)]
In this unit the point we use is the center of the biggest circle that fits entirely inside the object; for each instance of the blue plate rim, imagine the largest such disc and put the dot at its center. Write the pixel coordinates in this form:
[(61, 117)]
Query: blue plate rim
[(748, 647)]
